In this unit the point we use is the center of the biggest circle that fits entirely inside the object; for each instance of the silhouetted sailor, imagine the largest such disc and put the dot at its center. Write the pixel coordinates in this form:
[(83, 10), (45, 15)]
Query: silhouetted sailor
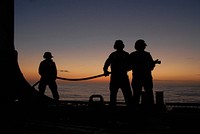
[(48, 73), (118, 62), (142, 65)]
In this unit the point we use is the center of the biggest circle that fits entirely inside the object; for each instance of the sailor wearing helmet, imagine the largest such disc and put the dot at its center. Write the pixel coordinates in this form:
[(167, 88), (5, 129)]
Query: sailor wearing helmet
[(118, 62), (48, 73)]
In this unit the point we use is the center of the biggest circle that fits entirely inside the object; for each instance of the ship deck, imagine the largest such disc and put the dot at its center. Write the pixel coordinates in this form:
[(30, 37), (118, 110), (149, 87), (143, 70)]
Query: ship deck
[(81, 117)]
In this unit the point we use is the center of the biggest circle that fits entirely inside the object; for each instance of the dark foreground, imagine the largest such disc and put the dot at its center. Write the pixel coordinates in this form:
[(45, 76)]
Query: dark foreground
[(84, 118)]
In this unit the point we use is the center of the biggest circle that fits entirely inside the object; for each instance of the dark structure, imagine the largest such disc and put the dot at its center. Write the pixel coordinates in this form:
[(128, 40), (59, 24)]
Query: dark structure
[(14, 86)]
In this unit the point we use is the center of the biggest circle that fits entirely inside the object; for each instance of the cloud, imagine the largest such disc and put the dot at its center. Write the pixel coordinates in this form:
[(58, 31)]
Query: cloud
[(63, 70)]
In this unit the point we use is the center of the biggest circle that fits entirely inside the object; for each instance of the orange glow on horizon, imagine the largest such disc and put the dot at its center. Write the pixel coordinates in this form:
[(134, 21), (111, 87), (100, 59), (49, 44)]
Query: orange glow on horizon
[(165, 71), (157, 75)]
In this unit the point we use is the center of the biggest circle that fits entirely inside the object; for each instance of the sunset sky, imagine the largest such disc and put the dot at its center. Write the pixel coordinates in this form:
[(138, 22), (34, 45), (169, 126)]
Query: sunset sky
[(81, 34)]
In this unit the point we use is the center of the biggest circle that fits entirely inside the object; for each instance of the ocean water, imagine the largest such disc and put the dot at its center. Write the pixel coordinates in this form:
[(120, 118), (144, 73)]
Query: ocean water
[(173, 91)]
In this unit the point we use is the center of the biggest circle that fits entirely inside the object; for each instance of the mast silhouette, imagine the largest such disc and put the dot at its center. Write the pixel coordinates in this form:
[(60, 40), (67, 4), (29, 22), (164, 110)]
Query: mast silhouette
[(14, 86)]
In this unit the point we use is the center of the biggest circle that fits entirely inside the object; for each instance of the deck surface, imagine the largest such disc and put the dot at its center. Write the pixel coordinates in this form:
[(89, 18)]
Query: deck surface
[(81, 118)]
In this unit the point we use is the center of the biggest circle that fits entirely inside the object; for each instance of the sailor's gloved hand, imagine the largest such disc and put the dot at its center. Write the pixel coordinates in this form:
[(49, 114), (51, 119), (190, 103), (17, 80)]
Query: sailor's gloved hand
[(157, 61), (106, 73)]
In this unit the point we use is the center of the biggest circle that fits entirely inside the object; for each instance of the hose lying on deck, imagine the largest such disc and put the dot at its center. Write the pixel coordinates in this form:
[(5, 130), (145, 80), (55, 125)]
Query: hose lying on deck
[(76, 79)]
